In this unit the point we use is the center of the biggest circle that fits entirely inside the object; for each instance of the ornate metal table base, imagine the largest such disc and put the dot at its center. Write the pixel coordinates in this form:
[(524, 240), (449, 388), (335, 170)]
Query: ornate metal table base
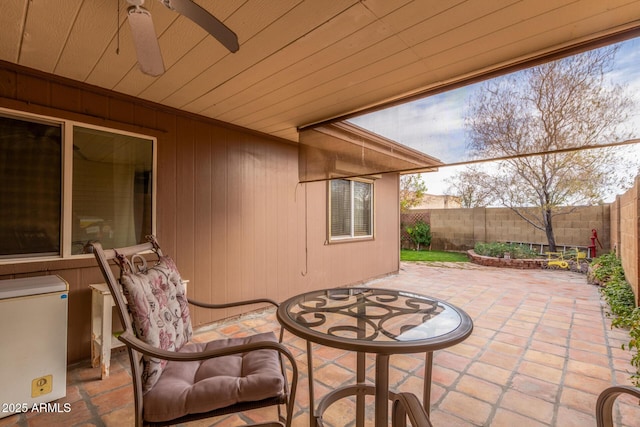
[(361, 389)]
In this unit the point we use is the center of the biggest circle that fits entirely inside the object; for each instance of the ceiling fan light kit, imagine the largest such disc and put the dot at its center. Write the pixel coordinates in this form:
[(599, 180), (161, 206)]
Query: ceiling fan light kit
[(145, 39)]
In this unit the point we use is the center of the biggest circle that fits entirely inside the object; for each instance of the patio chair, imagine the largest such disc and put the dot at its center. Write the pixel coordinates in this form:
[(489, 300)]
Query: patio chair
[(604, 404), (407, 405), (176, 380)]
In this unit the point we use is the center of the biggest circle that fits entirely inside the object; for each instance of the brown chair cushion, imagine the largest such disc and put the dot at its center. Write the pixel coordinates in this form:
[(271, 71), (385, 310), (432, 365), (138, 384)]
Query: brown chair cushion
[(202, 386)]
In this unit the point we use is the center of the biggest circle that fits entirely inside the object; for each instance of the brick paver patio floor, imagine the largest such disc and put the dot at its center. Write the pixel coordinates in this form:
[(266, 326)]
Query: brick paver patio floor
[(541, 351)]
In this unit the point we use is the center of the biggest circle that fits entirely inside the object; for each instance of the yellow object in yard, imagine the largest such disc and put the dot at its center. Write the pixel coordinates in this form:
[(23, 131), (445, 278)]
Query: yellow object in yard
[(557, 259), (580, 255)]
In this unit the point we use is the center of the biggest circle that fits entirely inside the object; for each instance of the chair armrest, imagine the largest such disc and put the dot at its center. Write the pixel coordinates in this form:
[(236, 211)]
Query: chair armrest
[(232, 304), (407, 405), (604, 404), (132, 341)]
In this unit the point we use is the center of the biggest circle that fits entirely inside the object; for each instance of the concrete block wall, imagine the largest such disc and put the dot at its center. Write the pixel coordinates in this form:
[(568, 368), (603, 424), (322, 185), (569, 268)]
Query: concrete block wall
[(460, 229), (452, 229)]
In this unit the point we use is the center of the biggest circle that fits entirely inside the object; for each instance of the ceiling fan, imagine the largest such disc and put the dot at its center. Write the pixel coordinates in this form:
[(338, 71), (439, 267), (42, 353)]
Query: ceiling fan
[(146, 41)]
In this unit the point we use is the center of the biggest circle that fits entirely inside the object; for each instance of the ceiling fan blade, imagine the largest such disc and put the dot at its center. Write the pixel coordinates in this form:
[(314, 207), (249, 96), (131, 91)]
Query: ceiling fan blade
[(145, 41), (208, 22)]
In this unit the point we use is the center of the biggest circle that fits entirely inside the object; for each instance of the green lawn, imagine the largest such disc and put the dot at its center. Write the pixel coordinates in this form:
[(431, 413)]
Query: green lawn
[(408, 255)]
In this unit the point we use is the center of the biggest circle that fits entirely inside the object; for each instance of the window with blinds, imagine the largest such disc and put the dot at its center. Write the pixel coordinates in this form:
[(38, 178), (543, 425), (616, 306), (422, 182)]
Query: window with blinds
[(351, 209)]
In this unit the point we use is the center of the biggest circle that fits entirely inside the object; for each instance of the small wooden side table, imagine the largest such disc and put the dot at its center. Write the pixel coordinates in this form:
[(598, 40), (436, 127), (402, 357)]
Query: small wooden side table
[(103, 340)]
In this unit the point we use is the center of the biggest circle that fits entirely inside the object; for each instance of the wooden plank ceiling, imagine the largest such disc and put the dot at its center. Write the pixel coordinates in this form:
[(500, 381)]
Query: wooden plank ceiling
[(300, 61)]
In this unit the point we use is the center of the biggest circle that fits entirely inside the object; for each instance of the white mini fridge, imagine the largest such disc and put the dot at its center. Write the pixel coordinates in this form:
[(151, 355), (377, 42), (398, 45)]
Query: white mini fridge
[(33, 343)]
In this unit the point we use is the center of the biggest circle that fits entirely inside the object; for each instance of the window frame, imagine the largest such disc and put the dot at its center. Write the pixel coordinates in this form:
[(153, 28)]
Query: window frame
[(351, 237), (66, 214)]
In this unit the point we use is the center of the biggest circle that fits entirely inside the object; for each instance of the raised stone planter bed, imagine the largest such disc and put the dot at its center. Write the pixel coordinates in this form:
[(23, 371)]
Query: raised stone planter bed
[(522, 264)]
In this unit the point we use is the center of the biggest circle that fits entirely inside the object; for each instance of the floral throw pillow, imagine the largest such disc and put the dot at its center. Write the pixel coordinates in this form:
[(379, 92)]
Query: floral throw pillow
[(159, 312)]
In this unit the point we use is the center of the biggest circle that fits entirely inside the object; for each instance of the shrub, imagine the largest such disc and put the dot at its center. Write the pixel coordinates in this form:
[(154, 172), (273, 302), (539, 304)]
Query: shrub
[(607, 267), (420, 233), (497, 250), (634, 343), (618, 294)]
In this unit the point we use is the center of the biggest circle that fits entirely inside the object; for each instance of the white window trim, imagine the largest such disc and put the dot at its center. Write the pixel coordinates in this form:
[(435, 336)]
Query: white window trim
[(67, 180), (351, 238)]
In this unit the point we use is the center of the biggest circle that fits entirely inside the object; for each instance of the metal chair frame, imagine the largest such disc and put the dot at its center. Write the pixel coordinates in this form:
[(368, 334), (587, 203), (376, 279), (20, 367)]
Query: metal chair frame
[(136, 348), (606, 399)]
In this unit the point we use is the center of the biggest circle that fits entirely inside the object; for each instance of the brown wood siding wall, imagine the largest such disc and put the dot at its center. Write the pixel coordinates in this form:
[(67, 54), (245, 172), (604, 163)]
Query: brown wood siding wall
[(230, 210)]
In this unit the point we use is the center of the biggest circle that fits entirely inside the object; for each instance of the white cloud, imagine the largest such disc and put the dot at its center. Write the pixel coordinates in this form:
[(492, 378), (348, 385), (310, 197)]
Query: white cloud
[(437, 181), (435, 125)]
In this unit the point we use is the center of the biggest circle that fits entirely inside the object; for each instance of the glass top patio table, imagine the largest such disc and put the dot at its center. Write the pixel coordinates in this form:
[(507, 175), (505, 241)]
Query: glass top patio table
[(375, 320), (380, 321)]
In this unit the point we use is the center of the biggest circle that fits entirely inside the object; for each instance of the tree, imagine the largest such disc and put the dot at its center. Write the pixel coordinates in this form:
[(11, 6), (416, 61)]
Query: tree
[(556, 106), (412, 190), (468, 185), (420, 234)]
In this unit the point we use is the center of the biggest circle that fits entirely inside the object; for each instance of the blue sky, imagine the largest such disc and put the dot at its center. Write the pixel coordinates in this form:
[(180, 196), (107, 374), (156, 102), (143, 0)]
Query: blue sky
[(435, 125)]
